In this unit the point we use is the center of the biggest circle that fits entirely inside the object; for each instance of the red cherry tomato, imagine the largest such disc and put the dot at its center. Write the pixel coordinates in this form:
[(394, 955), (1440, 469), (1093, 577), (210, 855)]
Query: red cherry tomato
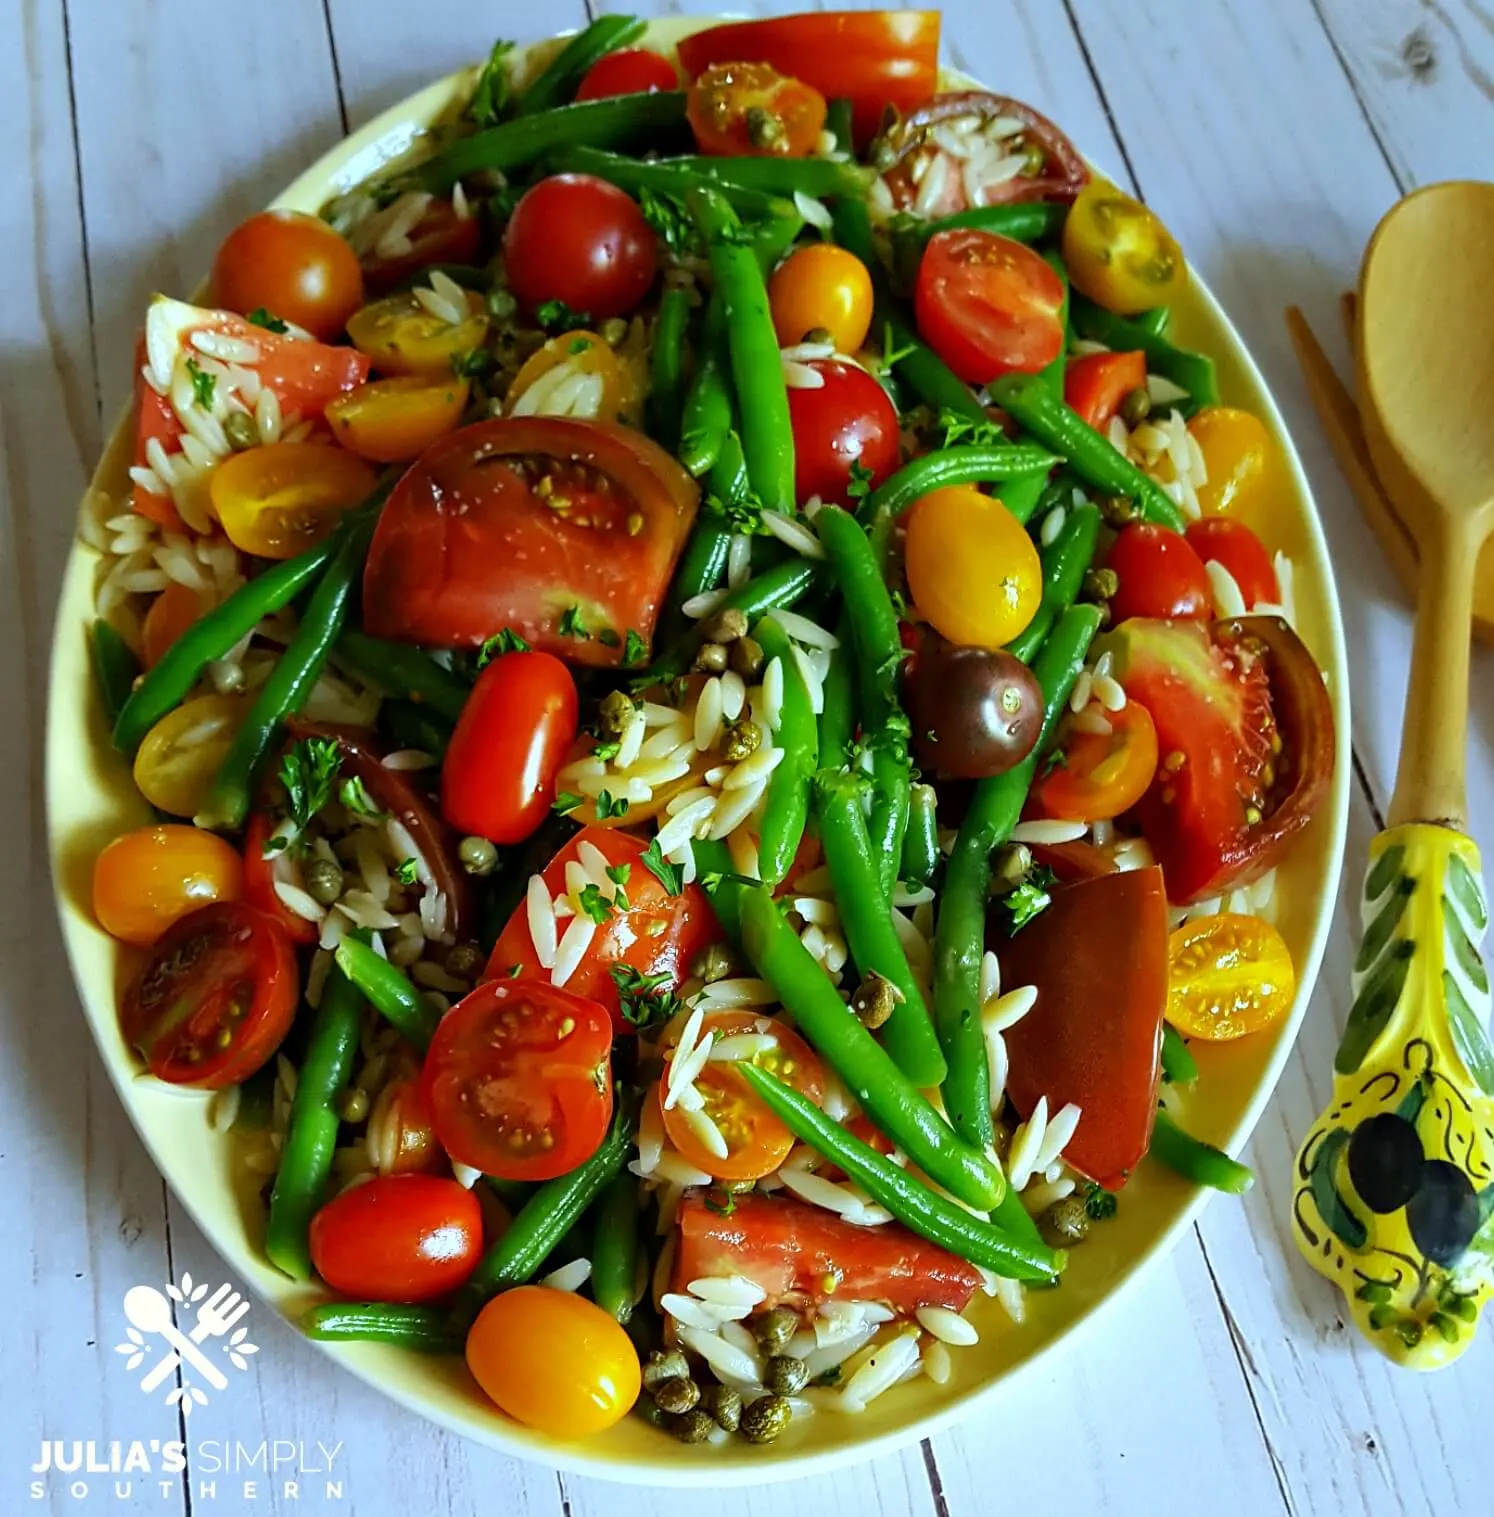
[(518, 1079), (1160, 575), (848, 420), (259, 883), (629, 71), (1096, 384), (1101, 776), (440, 236), (498, 779), (987, 305), (292, 265), (582, 241), (1231, 543), (398, 1238)]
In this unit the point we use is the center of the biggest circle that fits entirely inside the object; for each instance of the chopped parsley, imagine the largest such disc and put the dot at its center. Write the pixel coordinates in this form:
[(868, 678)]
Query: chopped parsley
[(407, 872), (670, 876), (259, 317), (555, 316), (607, 807), (494, 93), (891, 352), (642, 999), (608, 638), (743, 515), (578, 345), (618, 873), (566, 802), (309, 771), (474, 363), (354, 795), (830, 1376), (595, 904), (571, 625), (203, 384), (1055, 759), (1099, 1203), (723, 1207), (861, 481), (672, 223), (1029, 898), (962, 430), (635, 650), (506, 641), (608, 750)]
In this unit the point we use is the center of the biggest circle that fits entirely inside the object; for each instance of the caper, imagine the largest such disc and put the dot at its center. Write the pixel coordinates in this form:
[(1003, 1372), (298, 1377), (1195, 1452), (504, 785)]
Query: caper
[(694, 1427), (1100, 584), (785, 1375), (239, 429), (1034, 158), (1118, 510), (502, 304), (477, 856), (765, 1419), (1066, 1221), (710, 658), (352, 1106), (818, 335), (614, 329), (875, 1000), (724, 1404), (711, 964), (775, 1329), (324, 881), (644, 1407), (678, 1394), (464, 960), (1012, 866), (765, 130), (1135, 406), (747, 657), (615, 713), (664, 1364), (726, 626), (742, 739)]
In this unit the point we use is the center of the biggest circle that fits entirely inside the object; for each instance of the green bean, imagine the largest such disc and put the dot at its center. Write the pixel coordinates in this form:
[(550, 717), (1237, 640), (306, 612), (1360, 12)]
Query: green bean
[(702, 566), (786, 801), (1156, 321), (115, 667), (1196, 1160), (1064, 561), (907, 1035), (1178, 1065), (513, 1193), (708, 403), (838, 718), (815, 177), (614, 1248), (663, 176), (921, 841), (728, 480), (1028, 221), (959, 935), (983, 463), (888, 1097), (557, 83), (838, 124), (291, 680), (399, 670), (426, 1329), (1014, 1219), (762, 398), (1193, 372), (1091, 455), (311, 1136), (915, 1205), (389, 991), (667, 368), (413, 725), (1022, 496), (712, 865)]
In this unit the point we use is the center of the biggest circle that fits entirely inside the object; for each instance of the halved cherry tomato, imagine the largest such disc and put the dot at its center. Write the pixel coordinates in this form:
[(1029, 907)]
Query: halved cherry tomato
[(582, 241), (1119, 253), (567, 531), (752, 109), (847, 421), (1223, 540), (518, 1079), (498, 778), (628, 71), (401, 1133), (1073, 861), (1245, 733), (801, 1254), (1096, 384), (171, 613), (657, 933), (214, 999), (1239, 458), (756, 1141), (389, 420), (155, 421), (145, 881), (987, 305), (821, 286), (1227, 975), (554, 1361), (537, 387), (1098, 777), (441, 235), (1098, 956), (400, 336), (972, 569), (291, 265), (181, 755), (864, 1128), (398, 1238), (259, 882), (278, 500), (1160, 574)]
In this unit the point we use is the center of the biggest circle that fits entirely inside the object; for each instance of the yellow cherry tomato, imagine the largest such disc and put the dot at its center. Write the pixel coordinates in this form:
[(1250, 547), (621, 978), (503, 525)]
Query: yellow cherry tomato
[(972, 569), (1119, 253), (402, 337), (821, 286), (554, 1361), (278, 500), (182, 754), (575, 374), (146, 880), (390, 420), (1238, 458), (1227, 975)]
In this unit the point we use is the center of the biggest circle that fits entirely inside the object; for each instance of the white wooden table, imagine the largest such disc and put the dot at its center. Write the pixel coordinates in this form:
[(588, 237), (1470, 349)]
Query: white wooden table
[(1271, 136)]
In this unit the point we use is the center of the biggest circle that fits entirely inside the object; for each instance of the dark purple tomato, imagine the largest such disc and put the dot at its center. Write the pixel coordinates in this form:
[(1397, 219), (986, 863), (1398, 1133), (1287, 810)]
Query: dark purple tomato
[(975, 711)]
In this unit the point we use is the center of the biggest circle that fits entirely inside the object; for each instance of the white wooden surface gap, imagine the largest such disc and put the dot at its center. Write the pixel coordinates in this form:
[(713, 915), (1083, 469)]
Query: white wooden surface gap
[(1271, 137)]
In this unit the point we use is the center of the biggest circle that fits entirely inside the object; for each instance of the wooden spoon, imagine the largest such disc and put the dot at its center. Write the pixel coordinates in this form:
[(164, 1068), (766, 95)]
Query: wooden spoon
[(1395, 1183)]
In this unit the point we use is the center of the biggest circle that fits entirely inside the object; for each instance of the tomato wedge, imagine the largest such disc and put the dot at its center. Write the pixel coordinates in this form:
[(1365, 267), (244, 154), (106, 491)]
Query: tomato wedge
[(259, 883), (1098, 956), (1096, 384), (1245, 732), (1098, 776), (519, 1080), (802, 1254), (566, 531)]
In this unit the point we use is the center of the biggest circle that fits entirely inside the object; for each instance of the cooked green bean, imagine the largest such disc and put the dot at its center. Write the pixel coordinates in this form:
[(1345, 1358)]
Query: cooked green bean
[(1064, 561), (838, 124), (702, 567), (415, 726), (980, 463), (427, 1329), (1179, 1067), (614, 1247), (1196, 1160), (1155, 321), (815, 177), (404, 672), (557, 83), (1027, 221), (667, 368), (663, 176), (706, 420), (1193, 372), (115, 667), (713, 863), (786, 800), (921, 841), (838, 718), (390, 992), (728, 480)]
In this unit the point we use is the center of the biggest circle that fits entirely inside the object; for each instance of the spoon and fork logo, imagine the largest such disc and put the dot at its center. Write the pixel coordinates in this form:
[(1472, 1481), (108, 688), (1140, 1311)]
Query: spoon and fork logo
[(152, 1316)]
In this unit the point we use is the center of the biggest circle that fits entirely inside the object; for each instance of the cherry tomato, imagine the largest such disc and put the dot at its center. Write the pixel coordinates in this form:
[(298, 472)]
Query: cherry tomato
[(1239, 458), (1118, 252), (628, 71), (181, 755), (518, 1079), (582, 241), (292, 265), (259, 882), (171, 613), (752, 109), (400, 336), (1227, 975), (1160, 574), (389, 420), (146, 880), (972, 569), (821, 286), (401, 1133), (1073, 861), (1096, 384), (1098, 777), (537, 387), (398, 1238), (1223, 540), (847, 420), (554, 1361), (975, 711), (756, 1141), (987, 305), (498, 778), (442, 235), (214, 999), (278, 500)]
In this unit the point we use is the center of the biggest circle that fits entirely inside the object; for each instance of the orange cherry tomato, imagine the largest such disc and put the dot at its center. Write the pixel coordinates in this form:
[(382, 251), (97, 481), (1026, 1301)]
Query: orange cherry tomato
[(390, 420), (751, 108), (175, 609), (822, 286), (1227, 975), (1098, 776), (401, 336), (1239, 458), (278, 500), (575, 374), (292, 265), (554, 1361), (146, 880)]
